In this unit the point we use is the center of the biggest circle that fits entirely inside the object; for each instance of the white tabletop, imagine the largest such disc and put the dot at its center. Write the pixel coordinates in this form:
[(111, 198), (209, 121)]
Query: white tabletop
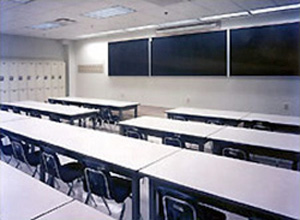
[(75, 210), (274, 140), (59, 109), (113, 148), (94, 101), (269, 188), (23, 197), (175, 126), (9, 116), (236, 115), (276, 119)]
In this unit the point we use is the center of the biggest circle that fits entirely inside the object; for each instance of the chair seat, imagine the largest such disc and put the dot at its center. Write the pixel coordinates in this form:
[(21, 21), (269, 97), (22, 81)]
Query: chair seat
[(34, 158), (7, 150), (71, 171), (122, 189), (209, 213)]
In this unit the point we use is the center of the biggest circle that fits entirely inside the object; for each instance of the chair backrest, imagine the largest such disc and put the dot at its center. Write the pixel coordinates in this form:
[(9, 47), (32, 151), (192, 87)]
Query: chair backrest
[(106, 114), (235, 153), (176, 205), (259, 125), (4, 108), (178, 117), (35, 114), (134, 133), (97, 182), (215, 121), (54, 117), (20, 150), (51, 164), (173, 140), (16, 110)]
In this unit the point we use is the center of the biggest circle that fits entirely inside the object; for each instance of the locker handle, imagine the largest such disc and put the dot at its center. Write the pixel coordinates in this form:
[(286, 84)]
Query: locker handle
[(1, 78), (20, 78), (52, 77), (59, 77), (11, 78), (28, 78), (37, 77)]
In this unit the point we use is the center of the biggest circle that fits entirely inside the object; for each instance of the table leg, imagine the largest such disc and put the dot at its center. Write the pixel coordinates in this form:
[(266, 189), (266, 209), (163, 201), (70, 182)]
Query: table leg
[(135, 198), (135, 111), (120, 115), (152, 200), (122, 130), (295, 165)]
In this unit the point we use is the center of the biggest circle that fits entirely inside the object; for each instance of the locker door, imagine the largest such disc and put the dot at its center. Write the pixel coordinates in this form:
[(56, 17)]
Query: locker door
[(4, 76), (61, 91), (31, 94), (40, 94), (47, 75), (22, 77), (13, 81), (31, 82), (4, 95), (62, 75), (39, 75), (54, 75)]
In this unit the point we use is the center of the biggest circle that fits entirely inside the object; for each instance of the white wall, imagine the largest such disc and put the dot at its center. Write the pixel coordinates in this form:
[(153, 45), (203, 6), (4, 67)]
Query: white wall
[(20, 47), (278, 95)]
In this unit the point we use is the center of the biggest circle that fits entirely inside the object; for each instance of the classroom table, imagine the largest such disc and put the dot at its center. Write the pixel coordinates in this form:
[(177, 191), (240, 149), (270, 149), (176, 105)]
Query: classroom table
[(207, 115), (274, 144), (23, 197), (75, 211), (193, 132), (9, 116), (278, 122), (114, 105), (248, 189), (69, 113), (119, 154)]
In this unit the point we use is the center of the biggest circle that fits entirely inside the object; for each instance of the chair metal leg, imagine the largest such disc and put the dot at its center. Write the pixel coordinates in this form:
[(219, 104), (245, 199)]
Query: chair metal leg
[(122, 211), (70, 188), (105, 203)]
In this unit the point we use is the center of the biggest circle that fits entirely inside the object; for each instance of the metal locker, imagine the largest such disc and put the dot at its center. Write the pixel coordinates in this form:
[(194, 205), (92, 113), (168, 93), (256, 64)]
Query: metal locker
[(4, 95), (39, 81), (54, 75), (47, 75), (4, 76), (31, 94), (40, 94), (54, 92), (21, 79), (13, 81), (31, 82), (62, 75), (47, 93), (61, 91)]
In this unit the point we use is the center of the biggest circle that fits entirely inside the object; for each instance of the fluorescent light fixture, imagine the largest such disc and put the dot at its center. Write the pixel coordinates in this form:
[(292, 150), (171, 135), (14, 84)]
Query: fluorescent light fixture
[(140, 28), (185, 28), (22, 1), (273, 9), (179, 23), (104, 33), (222, 16), (109, 12), (46, 26), (60, 22)]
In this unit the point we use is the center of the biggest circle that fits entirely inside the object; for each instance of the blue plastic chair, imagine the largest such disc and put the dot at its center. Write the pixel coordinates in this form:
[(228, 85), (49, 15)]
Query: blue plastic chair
[(102, 184)]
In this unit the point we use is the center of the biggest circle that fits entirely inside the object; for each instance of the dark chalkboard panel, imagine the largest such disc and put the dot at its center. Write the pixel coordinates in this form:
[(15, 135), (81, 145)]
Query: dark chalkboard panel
[(267, 50), (128, 58), (190, 55)]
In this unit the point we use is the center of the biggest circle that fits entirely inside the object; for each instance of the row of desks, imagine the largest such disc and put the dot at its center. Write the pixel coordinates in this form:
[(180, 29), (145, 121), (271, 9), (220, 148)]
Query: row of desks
[(232, 184), (280, 145), (114, 105), (23, 197), (69, 113), (236, 117)]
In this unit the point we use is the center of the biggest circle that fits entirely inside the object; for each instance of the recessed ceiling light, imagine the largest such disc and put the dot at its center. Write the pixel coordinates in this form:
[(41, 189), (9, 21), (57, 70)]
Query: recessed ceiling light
[(46, 26), (22, 1), (60, 22), (179, 23), (273, 9), (109, 12), (222, 16)]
